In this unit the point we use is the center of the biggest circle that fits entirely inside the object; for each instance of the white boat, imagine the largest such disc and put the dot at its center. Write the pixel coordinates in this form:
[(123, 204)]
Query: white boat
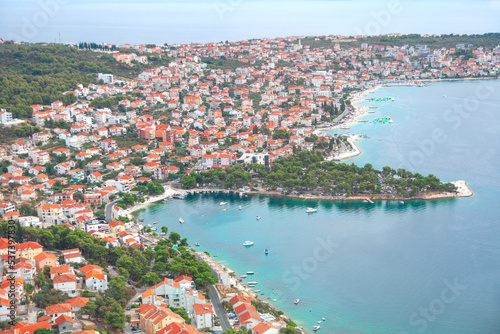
[(223, 203), (239, 207), (320, 321), (323, 319), (252, 283), (315, 328), (149, 225), (243, 276), (181, 220), (296, 301), (402, 202), (153, 228), (275, 300), (257, 291), (196, 243), (311, 210), (250, 273), (163, 233), (248, 243), (155, 222), (258, 217)]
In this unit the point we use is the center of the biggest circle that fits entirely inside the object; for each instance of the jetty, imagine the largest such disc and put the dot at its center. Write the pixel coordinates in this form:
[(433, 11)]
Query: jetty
[(369, 200)]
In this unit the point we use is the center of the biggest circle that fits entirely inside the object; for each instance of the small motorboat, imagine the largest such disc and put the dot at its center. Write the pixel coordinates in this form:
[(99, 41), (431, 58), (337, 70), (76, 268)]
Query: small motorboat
[(196, 243), (315, 328), (181, 220), (222, 203), (258, 217), (243, 276), (252, 283), (323, 319), (320, 321), (402, 202), (239, 207), (311, 210), (153, 228), (216, 255), (296, 301), (248, 243), (163, 233), (250, 273), (275, 300), (155, 222)]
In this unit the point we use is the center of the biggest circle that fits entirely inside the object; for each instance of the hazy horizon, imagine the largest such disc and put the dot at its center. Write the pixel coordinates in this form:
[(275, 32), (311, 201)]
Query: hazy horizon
[(213, 21)]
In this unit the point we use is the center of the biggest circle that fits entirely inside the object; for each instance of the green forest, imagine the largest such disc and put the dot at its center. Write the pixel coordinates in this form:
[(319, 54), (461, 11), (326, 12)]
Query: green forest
[(307, 172), (39, 73)]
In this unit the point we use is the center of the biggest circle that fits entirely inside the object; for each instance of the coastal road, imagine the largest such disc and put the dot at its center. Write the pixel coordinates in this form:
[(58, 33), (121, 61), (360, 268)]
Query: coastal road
[(219, 310), (107, 211)]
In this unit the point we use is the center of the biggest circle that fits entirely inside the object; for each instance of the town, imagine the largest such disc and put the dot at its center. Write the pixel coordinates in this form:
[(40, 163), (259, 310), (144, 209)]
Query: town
[(77, 170)]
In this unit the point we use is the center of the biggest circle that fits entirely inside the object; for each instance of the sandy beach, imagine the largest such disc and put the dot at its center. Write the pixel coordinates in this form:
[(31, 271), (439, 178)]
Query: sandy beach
[(169, 192), (355, 151)]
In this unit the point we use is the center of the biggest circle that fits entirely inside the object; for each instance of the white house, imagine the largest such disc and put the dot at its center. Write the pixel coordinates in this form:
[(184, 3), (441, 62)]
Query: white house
[(96, 281), (203, 315), (66, 283)]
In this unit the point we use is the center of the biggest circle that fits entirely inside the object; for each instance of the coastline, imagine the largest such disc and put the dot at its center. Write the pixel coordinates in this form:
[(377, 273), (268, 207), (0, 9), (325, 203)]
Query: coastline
[(169, 192)]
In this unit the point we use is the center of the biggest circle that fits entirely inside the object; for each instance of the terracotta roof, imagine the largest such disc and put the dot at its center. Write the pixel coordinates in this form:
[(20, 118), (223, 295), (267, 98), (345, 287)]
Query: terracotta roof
[(64, 278), (58, 308), (77, 302), (62, 319)]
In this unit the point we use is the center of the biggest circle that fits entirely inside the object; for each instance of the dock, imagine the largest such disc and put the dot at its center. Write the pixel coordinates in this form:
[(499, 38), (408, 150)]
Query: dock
[(369, 200)]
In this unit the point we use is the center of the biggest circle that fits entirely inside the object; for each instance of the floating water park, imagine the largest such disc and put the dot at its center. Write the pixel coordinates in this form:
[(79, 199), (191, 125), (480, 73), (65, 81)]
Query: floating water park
[(379, 99), (382, 120)]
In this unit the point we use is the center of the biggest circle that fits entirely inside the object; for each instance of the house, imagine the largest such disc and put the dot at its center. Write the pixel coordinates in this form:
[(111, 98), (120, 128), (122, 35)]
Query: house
[(203, 315), (94, 177), (265, 328), (65, 324), (73, 256), (96, 281), (24, 270), (178, 328), (66, 283), (77, 303), (60, 270), (155, 317), (45, 259), (55, 311), (28, 250)]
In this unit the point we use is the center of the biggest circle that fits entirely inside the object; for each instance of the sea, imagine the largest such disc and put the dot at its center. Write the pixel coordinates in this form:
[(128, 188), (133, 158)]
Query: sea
[(388, 267)]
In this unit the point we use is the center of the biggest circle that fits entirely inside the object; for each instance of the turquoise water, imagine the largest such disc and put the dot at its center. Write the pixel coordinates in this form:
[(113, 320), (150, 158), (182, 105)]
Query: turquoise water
[(418, 267)]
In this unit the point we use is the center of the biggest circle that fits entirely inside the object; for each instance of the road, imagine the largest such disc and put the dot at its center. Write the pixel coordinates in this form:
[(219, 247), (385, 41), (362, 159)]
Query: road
[(219, 310), (107, 213)]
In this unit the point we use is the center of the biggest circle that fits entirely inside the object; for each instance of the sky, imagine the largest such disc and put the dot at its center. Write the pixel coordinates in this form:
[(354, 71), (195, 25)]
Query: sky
[(187, 21)]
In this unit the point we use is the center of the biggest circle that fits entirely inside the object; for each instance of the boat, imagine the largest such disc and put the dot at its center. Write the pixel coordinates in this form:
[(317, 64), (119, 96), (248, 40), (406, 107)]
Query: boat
[(315, 328), (155, 222), (149, 225), (258, 217), (257, 291), (266, 251), (252, 283), (239, 207), (153, 228), (243, 276), (216, 255), (311, 210), (444, 96), (181, 220), (320, 321), (223, 210), (222, 203), (196, 243), (140, 219), (250, 273), (323, 319), (402, 202), (165, 201), (163, 233), (296, 301), (248, 243)]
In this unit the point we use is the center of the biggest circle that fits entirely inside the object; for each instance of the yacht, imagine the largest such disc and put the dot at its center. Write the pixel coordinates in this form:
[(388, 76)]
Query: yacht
[(248, 243), (258, 217), (311, 210), (315, 328), (163, 233), (181, 220), (250, 273), (222, 203), (296, 301)]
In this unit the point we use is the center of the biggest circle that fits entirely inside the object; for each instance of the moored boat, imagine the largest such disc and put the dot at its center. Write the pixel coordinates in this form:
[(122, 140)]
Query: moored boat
[(248, 243), (181, 220), (296, 301), (311, 210), (315, 328)]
